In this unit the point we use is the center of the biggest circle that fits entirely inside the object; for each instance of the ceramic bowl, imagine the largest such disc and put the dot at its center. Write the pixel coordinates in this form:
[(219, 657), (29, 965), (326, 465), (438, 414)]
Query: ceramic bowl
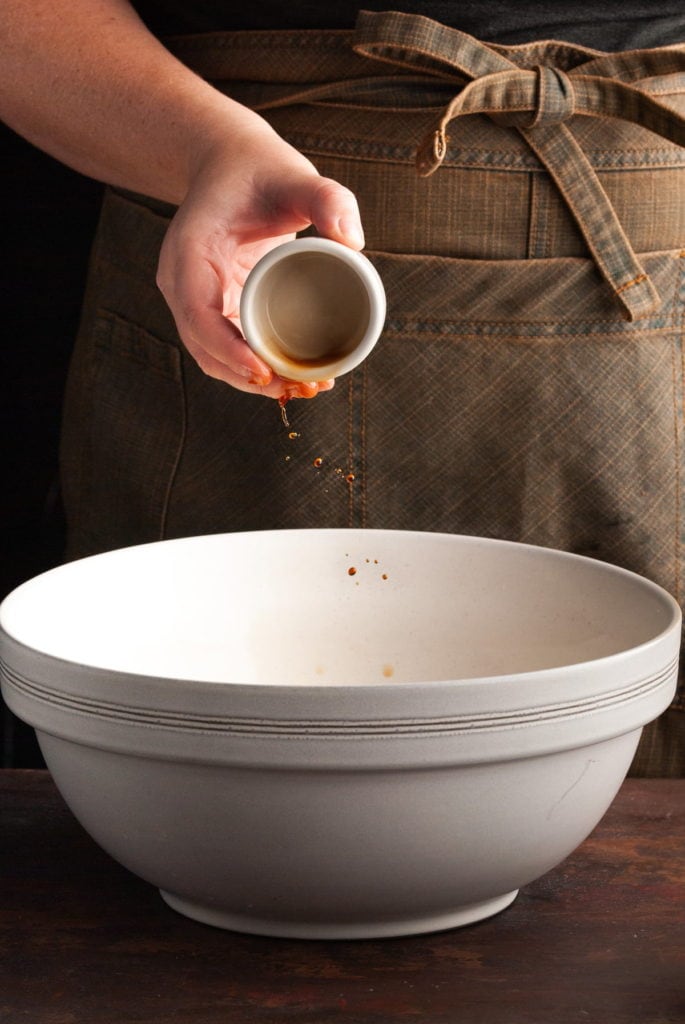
[(338, 734)]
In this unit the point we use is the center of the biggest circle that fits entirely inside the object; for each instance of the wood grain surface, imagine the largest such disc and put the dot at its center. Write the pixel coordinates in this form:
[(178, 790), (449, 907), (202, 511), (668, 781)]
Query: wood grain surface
[(601, 939)]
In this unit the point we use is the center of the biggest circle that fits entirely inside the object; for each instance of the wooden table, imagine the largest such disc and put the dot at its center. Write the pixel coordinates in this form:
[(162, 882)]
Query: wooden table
[(600, 939)]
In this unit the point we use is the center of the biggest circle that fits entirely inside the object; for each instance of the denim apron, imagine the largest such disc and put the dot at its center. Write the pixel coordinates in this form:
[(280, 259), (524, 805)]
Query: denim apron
[(525, 207)]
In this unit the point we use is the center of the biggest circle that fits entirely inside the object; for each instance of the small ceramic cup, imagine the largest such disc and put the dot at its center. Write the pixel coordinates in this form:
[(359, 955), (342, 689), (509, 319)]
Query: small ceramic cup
[(312, 309)]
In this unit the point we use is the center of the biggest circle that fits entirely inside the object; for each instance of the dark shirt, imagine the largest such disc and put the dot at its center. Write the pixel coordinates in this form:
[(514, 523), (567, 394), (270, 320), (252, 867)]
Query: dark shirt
[(600, 24)]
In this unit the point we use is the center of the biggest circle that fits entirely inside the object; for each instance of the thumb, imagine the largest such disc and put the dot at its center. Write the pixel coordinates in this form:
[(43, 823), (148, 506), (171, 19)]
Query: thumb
[(330, 207)]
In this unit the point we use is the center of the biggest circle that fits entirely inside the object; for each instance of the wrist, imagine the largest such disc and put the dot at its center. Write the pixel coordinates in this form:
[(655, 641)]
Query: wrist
[(238, 140)]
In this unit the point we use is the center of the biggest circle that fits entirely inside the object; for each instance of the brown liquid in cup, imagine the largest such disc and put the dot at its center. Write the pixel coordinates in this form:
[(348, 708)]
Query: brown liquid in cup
[(313, 309)]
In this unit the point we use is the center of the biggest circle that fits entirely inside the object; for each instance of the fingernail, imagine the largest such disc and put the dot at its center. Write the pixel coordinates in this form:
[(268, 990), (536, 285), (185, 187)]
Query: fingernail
[(352, 232), (259, 373)]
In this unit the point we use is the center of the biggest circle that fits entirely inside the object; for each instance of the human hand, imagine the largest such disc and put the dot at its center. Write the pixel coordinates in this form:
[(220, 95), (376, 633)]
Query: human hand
[(240, 204), (90, 84)]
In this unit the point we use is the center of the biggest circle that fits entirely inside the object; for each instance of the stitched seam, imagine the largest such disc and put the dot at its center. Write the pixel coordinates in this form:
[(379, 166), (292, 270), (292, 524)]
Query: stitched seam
[(533, 214), (350, 448), (606, 161), (398, 323), (678, 448), (362, 445), (285, 40), (629, 284), (455, 337), (676, 445), (179, 453), (664, 90)]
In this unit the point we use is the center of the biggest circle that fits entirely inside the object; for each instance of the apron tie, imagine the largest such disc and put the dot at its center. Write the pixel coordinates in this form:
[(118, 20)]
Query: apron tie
[(537, 101), (556, 100), (524, 99)]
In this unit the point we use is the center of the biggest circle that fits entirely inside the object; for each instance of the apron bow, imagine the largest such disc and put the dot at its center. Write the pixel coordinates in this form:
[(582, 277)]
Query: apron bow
[(538, 101)]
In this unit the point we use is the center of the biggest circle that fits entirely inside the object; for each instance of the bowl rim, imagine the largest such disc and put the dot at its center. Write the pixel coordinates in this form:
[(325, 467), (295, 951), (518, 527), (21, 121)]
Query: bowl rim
[(657, 591), (59, 679), (674, 623)]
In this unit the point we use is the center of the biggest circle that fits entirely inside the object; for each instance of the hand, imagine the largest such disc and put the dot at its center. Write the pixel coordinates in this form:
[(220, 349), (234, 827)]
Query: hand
[(86, 81), (240, 204)]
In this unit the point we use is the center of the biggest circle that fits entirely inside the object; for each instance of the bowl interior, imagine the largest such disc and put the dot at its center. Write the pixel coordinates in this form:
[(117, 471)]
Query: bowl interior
[(321, 607)]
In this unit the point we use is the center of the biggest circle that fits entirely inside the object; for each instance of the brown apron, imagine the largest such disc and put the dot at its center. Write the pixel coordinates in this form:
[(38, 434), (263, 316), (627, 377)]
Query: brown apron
[(529, 382)]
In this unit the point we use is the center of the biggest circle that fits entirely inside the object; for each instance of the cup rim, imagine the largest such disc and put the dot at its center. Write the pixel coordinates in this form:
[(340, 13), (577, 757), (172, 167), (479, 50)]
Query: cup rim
[(366, 273)]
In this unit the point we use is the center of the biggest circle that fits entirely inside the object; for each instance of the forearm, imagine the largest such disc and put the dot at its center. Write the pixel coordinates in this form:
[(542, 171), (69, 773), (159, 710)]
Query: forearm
[(86, 81)]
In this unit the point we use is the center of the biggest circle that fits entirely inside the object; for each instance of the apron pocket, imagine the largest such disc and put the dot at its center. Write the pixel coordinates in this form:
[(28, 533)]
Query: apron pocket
[(511, 399), (128, 428)]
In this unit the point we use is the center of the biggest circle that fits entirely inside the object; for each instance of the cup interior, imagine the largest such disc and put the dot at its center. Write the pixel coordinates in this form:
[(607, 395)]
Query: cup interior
[(311, 309)]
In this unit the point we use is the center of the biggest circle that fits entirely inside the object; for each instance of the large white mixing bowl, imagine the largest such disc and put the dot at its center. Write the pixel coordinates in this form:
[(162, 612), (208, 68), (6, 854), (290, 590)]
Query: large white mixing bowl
[(289, 747)]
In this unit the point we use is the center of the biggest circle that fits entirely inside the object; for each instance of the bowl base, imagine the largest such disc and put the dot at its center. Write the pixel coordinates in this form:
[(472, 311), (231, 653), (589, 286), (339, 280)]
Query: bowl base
[(469, 913)]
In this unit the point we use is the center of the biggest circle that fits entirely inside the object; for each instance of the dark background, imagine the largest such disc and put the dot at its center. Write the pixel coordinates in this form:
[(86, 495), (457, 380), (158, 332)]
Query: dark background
[(48, 220)]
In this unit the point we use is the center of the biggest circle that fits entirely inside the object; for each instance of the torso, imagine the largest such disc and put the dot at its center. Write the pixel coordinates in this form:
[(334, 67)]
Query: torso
[(613, 25)]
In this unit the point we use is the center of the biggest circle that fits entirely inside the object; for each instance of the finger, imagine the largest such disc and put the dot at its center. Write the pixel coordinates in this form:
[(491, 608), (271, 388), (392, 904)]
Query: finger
[(329, 206), (218, 347), (306, 389), (196, 300)]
